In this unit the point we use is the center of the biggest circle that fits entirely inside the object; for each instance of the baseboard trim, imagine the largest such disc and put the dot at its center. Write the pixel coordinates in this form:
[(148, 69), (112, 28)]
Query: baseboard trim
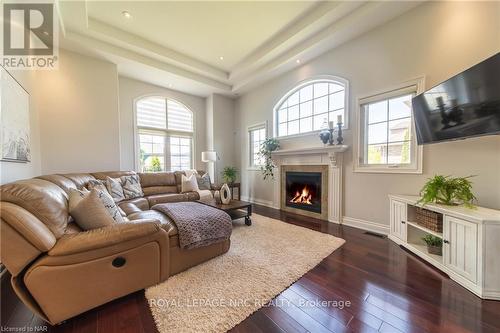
[(365, 225), (259, 202)]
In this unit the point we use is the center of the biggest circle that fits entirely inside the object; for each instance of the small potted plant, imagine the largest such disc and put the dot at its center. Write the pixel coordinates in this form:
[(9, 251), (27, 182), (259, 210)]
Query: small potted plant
[(266, 148), (434, 244), (448, 191), (229, 174)]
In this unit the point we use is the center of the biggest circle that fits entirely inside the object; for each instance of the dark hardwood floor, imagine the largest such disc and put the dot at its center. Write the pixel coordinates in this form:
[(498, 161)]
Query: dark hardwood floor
[(389, 290)]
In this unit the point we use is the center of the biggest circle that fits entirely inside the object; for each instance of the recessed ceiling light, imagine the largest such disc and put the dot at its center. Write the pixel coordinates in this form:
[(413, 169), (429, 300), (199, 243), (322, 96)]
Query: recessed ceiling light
[(297, 61), (170, 85), (126, 14), (221, 58), (45, 33)]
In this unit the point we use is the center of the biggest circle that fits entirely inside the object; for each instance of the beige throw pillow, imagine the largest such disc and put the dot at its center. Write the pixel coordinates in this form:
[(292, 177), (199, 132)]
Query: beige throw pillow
[(114, 186), (75, 196), (189, 184), (90, 212)]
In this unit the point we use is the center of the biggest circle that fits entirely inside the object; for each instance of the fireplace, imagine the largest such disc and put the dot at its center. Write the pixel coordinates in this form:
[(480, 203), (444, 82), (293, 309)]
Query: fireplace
[(303, 190)]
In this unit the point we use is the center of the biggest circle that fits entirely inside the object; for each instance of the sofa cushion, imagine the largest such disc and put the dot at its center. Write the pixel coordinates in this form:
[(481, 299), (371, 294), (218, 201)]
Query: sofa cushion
[(113, 174), (204, 182), (97, 184), (166, 222), (75, 196), (47, 201), (157, 179), (189, 184), (79, 179), (131, 187), (178, 197), (90, 213), (114, 186), (65, 183), (163, 189), (134, 205)]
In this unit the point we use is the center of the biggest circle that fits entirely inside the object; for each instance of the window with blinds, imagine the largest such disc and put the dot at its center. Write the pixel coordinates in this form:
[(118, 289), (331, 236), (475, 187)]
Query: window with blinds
[(164, 135)]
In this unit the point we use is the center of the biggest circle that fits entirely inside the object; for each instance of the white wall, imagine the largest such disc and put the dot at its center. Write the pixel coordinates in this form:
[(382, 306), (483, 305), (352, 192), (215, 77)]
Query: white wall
[(436, 39), (10, 171), (132, 89), (223, 133), (78, 111)]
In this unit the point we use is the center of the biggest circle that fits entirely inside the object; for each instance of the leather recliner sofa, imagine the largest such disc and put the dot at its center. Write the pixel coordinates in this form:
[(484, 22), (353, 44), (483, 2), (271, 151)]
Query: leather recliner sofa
[(60, 271)]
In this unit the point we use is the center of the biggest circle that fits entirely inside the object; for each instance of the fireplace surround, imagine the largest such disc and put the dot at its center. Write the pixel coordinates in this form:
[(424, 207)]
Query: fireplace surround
[(304, 190)]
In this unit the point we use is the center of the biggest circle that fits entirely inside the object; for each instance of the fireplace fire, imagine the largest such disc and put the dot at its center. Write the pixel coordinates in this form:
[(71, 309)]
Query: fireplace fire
[(303, 190), (302, 197)]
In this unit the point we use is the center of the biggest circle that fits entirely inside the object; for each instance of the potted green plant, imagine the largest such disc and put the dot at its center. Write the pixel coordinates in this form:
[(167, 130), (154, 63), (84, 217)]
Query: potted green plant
[(266, 148), (434, 244), (448, 191), (229, 174)]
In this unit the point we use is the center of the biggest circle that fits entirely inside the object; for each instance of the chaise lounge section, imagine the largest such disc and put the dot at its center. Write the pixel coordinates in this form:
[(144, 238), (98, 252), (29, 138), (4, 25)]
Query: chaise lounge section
[(60, 271)]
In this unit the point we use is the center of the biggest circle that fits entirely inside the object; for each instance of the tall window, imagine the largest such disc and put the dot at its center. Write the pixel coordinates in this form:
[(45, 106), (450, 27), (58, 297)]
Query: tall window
[(311, 106), (386, 133), (256, 136), (165, 135)]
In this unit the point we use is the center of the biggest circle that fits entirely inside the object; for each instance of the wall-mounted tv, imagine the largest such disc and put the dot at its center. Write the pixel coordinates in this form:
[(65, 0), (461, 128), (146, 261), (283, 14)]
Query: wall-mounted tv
[(464, 106)]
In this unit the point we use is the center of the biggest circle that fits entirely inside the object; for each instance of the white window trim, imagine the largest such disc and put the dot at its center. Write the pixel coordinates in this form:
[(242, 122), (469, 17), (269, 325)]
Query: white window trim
[(418, 86), (294, 88), (192, 134), (263, 125)]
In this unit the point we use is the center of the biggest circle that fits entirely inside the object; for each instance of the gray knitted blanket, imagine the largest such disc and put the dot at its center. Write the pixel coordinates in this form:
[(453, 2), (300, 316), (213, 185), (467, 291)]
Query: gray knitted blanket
[(198, 224)]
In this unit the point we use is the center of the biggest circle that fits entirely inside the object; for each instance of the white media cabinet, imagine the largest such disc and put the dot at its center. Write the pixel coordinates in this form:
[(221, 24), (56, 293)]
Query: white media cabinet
[(471, 242)]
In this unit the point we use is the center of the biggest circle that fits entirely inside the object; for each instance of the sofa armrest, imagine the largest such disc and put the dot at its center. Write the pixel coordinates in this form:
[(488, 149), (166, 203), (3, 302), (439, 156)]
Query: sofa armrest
[(104, 237)]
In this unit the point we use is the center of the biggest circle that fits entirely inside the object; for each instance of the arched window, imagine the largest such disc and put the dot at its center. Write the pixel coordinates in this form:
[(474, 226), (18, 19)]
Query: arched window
[(164, 135), (310, 106)]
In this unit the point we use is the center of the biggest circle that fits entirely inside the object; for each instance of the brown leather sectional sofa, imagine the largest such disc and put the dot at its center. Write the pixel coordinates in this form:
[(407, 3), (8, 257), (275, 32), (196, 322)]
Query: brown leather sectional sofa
[(60, 271)]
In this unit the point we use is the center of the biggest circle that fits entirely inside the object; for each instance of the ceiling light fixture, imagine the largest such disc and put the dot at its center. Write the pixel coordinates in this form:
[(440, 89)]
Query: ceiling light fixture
[(221, 58), (297, 61), (126, 14)]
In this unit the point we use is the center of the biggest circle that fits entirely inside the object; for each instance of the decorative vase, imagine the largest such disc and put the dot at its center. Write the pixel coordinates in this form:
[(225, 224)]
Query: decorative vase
[(272, 146), (217, 197), (225, 194), (324, 135)]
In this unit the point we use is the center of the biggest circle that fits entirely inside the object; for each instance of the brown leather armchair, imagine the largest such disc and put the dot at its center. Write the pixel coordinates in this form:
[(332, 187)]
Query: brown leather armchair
[(60, 271)]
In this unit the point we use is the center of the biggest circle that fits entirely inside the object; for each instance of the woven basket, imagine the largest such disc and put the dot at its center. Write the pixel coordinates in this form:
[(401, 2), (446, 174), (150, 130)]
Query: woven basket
[(429, 219)]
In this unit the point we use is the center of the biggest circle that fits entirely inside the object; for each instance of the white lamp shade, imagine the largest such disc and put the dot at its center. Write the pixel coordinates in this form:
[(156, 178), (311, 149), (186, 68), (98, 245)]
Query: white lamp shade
[(209, 156)]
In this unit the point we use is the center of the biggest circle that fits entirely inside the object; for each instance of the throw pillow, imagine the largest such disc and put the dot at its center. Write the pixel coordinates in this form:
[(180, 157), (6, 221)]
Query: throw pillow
[(189, 184), (204, 182), (90, 212), (131, 187), (115, 188), (97, 184), (75, 196)]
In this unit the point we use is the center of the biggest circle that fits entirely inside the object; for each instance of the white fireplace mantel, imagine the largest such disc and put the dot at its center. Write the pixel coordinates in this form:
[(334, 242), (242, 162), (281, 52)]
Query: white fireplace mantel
[(312, 150), (322, 155), (331, 151)]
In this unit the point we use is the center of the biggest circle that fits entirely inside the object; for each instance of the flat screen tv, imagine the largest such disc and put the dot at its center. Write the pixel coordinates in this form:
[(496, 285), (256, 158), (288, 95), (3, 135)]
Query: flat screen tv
[(466, 105)]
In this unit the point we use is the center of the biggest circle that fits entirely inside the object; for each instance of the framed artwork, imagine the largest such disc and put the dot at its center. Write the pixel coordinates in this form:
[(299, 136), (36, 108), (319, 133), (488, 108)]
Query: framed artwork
[(14, 120)]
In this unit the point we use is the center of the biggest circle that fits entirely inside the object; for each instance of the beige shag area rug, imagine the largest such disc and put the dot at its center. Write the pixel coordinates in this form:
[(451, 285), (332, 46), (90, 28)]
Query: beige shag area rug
[(264, 259)]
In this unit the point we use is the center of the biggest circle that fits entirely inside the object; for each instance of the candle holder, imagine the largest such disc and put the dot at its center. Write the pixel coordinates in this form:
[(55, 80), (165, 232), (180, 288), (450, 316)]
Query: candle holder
[(340, 139)]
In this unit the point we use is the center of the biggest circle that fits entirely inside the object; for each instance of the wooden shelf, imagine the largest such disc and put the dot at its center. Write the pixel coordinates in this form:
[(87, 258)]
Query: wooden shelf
[(424, 229), (421, 251)]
